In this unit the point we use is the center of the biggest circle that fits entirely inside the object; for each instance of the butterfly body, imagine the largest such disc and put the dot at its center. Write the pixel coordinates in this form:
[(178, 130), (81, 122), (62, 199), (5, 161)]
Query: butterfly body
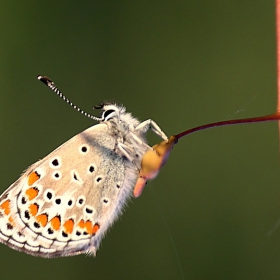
[(63, 204)]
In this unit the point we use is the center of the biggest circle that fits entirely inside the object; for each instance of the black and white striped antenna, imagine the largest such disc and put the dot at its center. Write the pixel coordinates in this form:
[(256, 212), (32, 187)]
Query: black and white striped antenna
[(47, 81)]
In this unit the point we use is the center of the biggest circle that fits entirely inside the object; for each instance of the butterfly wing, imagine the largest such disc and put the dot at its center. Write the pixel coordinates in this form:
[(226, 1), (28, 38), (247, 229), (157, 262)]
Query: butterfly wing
[(63, 204)]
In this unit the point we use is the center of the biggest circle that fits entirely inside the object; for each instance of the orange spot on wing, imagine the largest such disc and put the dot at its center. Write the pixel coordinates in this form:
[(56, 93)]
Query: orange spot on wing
[(33, 209), (69, 225), (88, 226), (11, 220), (95, 228), (42, 219), (55, 222), (32, 193), (32, 178), (81, 224), (6, 207)]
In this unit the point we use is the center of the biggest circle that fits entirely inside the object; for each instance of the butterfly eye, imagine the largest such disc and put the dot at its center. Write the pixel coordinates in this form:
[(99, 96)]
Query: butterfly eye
[(108, 115)]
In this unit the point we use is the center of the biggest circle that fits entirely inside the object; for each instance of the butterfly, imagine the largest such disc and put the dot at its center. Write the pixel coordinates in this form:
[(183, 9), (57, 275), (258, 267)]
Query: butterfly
[(63, 204)]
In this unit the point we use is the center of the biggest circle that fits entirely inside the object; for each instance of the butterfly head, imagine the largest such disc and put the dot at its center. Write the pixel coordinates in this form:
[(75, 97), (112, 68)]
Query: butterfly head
[(110, 111), (116, 114)]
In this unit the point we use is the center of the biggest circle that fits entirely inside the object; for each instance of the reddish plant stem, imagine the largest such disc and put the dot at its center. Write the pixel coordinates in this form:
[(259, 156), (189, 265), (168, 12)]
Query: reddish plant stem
[(278, 51), (278, 57), (273, 117)]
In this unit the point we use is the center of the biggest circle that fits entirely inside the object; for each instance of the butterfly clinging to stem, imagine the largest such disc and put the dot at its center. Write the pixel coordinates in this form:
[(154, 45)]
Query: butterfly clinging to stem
[(63, 204)]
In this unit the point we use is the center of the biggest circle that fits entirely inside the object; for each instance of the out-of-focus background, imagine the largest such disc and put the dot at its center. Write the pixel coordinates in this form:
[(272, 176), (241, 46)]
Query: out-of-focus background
[(210, 213)]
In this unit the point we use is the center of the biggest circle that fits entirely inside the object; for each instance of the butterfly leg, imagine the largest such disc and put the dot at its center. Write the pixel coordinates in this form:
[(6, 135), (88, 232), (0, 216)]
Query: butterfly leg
[(150, 124), (127, 151), (123, 149), (139, 141)]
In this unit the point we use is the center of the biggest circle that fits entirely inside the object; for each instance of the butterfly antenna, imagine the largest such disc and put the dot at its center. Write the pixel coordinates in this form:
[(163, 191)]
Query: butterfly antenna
[(47, 81)]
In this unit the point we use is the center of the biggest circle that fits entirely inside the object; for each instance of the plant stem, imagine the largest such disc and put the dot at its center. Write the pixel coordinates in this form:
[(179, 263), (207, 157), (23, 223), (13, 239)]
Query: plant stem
[(267, 118)]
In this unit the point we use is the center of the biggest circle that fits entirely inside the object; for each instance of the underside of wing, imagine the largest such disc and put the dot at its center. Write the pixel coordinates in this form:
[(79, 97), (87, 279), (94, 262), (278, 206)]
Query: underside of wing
[(64, 204)]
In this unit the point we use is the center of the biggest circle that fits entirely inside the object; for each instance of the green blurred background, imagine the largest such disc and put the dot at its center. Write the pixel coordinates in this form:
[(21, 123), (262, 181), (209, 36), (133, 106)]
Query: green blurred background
[(183, 64)]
